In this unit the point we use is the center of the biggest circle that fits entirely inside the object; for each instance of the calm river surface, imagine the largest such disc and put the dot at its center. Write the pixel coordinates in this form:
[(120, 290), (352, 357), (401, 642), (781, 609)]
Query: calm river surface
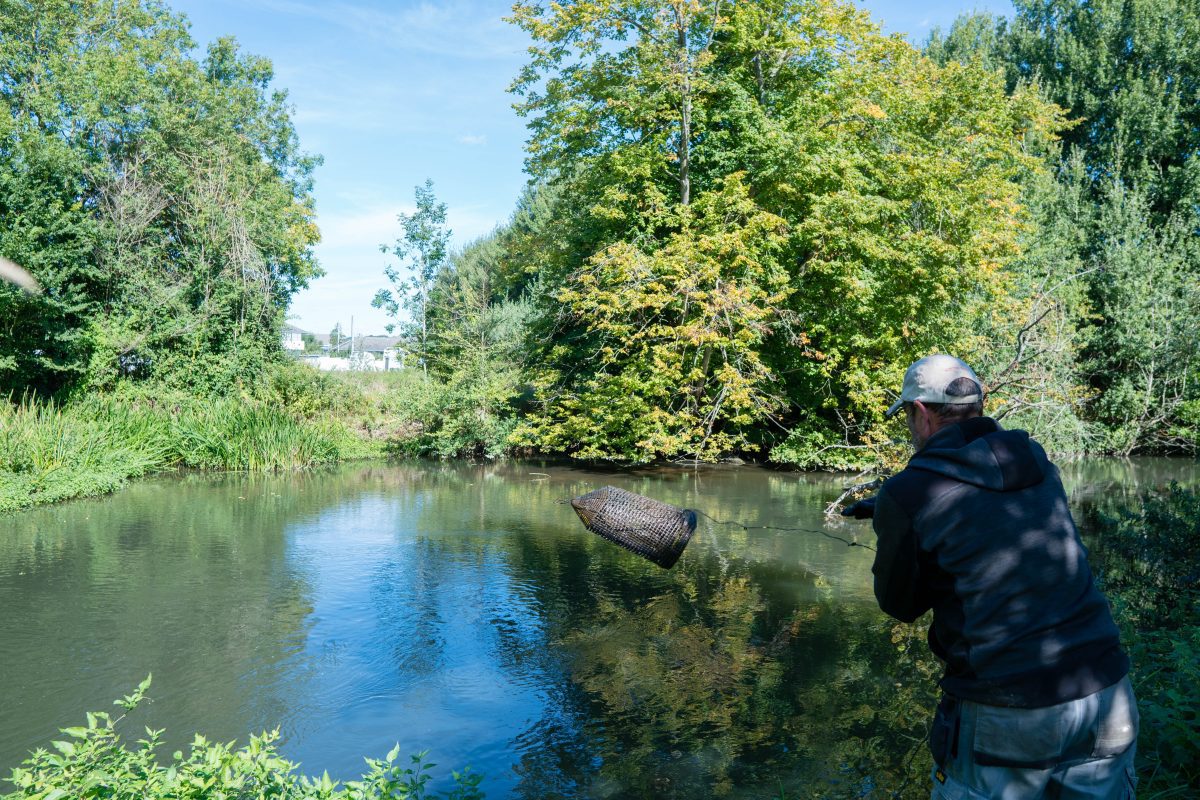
[(461, 610)]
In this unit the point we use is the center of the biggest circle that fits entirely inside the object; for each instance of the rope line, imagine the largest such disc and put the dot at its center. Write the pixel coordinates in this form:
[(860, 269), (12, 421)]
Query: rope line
[(826, 534)]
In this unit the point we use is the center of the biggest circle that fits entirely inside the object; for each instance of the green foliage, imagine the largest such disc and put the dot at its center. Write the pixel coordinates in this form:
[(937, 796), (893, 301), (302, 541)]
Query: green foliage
[(466, 324), (1128, 71), (977, 36), (1035, 381), (1150, 569), (423, 243), (48, 453), (467, 415), (1143, 358), (93, 762), (161, 200), (92, 446), (675, 335), (874, 216), (1128, 187)]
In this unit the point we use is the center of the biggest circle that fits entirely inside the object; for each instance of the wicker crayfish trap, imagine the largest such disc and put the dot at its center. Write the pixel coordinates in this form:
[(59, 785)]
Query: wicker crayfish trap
[(654, 530)]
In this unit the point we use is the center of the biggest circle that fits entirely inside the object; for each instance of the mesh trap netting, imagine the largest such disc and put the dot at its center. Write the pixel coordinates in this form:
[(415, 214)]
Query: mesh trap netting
[(654, 530)]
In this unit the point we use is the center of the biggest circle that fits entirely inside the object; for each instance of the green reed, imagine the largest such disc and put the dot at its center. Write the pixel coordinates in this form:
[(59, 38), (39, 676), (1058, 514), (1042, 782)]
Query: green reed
[(51, 452)]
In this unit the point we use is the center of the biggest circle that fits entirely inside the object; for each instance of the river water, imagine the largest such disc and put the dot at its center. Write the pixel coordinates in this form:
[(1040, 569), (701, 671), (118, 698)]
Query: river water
[(463, 611)]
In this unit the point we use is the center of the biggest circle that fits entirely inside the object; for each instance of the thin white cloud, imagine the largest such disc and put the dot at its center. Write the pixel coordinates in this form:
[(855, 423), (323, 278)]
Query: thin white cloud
[(455, 28), (472, 139), (349, 253), (368, 228), (364, 228)]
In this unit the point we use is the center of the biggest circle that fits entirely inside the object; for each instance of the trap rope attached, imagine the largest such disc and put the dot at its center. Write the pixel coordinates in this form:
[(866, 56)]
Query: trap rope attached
[(826, 534), (654, 530)]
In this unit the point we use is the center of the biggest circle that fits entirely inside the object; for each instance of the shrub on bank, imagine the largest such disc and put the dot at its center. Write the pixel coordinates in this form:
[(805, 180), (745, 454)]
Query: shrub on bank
[(467, 415), (93, 761)]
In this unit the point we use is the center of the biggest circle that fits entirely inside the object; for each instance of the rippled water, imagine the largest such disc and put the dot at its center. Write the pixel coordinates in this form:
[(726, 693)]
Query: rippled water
[(461, 610)]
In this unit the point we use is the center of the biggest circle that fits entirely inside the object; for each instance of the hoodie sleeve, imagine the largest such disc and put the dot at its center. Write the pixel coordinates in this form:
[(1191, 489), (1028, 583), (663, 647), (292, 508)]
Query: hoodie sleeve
[(897, 569)]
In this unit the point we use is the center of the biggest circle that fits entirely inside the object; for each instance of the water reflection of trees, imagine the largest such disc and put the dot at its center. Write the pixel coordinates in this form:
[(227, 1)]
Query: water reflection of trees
[(736, 673), (182, 577), (727, 676), (721, 677), (714, 689)]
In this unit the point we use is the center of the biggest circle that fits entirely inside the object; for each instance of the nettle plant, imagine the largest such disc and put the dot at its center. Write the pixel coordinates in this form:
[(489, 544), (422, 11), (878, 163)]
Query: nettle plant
[(94, 762)]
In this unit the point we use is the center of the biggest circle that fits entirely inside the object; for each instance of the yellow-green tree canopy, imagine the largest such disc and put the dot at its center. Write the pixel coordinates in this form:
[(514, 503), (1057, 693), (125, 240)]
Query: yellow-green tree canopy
[(768, 210)]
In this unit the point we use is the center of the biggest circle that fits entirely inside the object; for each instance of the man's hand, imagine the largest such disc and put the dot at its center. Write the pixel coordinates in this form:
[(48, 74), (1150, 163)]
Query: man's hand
[(863, 509)]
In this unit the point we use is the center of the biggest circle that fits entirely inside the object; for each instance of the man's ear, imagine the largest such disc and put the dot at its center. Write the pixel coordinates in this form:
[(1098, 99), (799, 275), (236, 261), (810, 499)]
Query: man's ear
[(922, 419)]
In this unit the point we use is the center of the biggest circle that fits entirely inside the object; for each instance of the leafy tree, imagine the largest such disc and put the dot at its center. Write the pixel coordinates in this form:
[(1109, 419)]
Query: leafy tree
[(675, 335), (1127, 199), (475, 341), (978, 36), (1129, 72), (1143, 358), (873, 202), (311, 343), (1036, 379), (162, 201), (669, 60), (423, 242)]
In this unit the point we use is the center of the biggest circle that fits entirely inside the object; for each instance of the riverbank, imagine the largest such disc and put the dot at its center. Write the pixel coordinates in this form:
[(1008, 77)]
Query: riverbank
[(295, 419)]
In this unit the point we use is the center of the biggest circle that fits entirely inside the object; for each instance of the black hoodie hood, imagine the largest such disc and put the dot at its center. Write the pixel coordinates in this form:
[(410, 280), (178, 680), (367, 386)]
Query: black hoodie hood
[(977, 451)]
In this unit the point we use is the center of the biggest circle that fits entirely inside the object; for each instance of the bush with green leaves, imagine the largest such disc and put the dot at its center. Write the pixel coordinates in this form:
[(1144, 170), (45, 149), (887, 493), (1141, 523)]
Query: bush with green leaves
[(94, 762), (1151, 571), (470, 414)]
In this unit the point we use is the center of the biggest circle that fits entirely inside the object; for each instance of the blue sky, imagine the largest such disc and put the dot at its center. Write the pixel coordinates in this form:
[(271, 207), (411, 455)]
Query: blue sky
[(392, 93)]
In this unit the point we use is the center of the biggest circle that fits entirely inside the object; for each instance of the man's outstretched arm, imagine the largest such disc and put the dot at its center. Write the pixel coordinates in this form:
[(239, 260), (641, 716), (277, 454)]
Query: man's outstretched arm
[(896, 569)]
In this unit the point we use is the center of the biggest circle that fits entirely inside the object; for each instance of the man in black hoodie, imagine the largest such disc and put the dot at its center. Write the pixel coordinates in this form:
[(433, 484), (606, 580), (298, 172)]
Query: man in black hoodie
[(1036, 700)]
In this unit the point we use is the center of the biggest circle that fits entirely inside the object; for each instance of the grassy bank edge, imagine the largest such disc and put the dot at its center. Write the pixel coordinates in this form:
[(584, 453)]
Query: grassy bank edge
[(50, 453)]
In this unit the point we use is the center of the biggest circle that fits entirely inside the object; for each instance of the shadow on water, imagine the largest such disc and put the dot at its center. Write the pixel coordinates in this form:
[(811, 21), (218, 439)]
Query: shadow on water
[(462, 610)]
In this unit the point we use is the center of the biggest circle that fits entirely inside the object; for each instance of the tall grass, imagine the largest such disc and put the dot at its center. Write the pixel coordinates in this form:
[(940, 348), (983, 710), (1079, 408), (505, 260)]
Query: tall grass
[(54, 452), (232, 436), (48, 453)]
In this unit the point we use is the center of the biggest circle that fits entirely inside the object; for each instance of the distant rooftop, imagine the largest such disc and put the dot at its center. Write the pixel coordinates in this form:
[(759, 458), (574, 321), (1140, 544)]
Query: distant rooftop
[(370, 344)]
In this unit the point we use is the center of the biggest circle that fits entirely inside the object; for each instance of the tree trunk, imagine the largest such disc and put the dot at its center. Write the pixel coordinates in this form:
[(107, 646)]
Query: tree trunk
[(685, 109), (758, 78)]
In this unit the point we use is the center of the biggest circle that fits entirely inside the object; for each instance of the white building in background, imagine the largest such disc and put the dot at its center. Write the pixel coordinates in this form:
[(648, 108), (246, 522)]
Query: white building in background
[(293, 339), (385, 350), (368, 353), (326, 363)]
